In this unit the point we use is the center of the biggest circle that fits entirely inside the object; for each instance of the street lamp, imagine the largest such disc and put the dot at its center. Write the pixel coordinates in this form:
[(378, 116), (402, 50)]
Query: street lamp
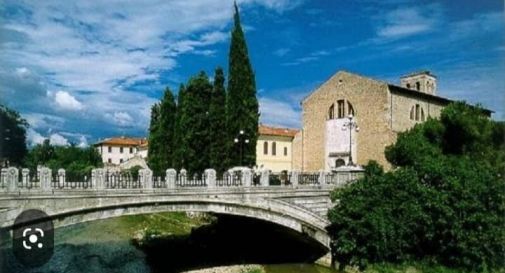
[(351, 124), (241, 139)]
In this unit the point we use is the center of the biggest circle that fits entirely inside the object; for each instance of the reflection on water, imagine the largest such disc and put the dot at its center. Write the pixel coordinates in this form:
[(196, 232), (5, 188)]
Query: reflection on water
[(103, 246)]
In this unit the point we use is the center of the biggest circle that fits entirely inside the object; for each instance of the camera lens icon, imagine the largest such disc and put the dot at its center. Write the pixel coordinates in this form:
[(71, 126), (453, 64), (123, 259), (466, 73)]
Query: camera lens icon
[(33, 238)]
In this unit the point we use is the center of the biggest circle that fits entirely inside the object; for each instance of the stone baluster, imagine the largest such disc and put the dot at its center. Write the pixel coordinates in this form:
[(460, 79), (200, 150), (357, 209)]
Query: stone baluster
[(247, 177), (170, 177), (61, 178), (12, 179), (322, 178), (25, 178), (45, 176), (210, 176), (265, 178), (183, 176), (294, 178), (147, 177)]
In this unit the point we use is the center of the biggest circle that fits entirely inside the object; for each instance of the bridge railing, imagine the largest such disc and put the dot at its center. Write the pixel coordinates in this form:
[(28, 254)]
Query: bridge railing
[(15, 180)]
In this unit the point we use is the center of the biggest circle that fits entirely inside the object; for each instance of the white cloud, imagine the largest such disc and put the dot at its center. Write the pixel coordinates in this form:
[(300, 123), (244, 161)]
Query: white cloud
[(22, 72), (66, 101), (83, 142), (58, 140), (33, 137), (278, 113), (123, 119), (311, 57), (407, 21)]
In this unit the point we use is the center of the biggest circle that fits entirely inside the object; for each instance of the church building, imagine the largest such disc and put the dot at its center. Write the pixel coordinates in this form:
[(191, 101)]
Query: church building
[(376, 110)]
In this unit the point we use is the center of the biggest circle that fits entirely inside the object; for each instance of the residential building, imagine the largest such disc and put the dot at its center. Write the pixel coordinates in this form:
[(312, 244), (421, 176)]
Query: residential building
[(117, 150), (274, 149)]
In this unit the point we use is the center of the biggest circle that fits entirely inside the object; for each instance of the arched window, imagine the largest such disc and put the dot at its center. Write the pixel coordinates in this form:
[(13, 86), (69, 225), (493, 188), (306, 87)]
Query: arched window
[(417, 111), (339, 162), (412, 113), (341, 110), (265, 148), (350, 109), (285, 151), (422, 114), (274, 148), (331, 112), (418, 86)]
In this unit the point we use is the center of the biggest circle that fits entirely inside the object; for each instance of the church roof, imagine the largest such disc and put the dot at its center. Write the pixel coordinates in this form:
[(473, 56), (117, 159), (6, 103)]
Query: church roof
[(122, 141)]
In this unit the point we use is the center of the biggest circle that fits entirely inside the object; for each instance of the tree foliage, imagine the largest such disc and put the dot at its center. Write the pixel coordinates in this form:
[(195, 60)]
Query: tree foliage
[(78, 162), (219, 142), (242, 105), (161, 149), (12, 136), (444, 202)]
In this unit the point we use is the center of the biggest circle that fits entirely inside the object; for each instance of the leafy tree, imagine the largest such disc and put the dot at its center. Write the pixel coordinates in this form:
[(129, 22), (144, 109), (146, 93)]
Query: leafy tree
[(444, 202), (161, 136), (78, 162), (242, 104), (12, 136), (194, 123), (217, 117)]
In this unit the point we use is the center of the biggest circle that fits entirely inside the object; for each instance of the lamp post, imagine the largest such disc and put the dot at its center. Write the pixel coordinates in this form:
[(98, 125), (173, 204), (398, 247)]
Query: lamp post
[(351, 124), (241, 139)]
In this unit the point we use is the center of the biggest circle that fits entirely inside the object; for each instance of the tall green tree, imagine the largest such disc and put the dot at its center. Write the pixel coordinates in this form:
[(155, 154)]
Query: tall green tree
[(242, 104), (12, 136), (161, 136), (217, 126), (194, 123), (179, 144)]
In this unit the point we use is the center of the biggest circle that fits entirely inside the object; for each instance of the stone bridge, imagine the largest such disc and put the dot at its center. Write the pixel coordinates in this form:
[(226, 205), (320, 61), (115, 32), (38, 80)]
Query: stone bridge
[(298, 201)]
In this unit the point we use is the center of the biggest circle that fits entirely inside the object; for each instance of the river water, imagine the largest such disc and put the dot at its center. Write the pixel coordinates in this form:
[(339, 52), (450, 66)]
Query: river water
[(107, 246)]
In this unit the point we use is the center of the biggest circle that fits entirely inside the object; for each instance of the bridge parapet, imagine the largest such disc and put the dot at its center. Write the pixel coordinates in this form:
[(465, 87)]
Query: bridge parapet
[(103, 179)]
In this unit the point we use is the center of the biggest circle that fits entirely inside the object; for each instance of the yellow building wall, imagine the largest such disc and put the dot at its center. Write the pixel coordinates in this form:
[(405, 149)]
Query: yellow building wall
[(278, 162)]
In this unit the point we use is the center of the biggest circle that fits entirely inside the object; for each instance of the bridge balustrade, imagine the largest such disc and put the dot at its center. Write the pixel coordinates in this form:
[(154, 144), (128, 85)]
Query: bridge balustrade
[(102, 179)]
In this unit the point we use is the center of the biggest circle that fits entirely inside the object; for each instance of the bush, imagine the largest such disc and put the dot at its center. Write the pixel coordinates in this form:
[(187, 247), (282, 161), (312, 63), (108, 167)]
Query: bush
[(441, 204)]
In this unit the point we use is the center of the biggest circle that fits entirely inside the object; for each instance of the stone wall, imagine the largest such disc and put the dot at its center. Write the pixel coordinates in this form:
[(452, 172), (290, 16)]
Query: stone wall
[(371, 103)]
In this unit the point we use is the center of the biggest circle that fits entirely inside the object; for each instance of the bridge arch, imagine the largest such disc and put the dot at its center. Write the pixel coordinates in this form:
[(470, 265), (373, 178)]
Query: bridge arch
[(277, 211)]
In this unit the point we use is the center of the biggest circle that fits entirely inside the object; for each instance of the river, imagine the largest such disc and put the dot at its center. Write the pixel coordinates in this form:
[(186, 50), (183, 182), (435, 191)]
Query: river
[(178, 243)]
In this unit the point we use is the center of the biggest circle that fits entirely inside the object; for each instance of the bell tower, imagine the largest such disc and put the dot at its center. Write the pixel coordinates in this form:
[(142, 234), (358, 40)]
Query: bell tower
[(422, 81)]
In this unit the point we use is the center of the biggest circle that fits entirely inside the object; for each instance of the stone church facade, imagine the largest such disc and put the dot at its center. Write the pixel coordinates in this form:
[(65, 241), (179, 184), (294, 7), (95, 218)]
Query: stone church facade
[(381, 110)]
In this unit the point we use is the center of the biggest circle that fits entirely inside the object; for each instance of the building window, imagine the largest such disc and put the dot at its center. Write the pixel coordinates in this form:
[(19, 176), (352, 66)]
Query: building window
[(339, 162), (422, 114), (110, 149), (417, 112), (331, 112), (418, 86), (285, 151), (412, 113), (408, 85), (274, 148), (121, 150), (131, 150), (121, 160), (341, 110), (265, 148), (109, 160), (350, 109)]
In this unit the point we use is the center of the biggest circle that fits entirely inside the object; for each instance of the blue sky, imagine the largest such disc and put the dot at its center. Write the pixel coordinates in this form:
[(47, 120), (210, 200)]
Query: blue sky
[(83, 70)]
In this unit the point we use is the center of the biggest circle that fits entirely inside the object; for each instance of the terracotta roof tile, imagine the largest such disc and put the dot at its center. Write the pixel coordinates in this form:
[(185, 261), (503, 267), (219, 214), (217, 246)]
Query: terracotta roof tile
[(126, 141), (276, 131)]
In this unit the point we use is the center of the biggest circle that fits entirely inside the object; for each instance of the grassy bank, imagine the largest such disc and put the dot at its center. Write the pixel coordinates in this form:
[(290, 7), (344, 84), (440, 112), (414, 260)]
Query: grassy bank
[(414, 267)]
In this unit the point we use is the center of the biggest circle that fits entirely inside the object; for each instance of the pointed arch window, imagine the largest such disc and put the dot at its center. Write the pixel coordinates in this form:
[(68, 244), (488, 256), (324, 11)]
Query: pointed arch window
[(331, 112), (350, 109), (340, 108)]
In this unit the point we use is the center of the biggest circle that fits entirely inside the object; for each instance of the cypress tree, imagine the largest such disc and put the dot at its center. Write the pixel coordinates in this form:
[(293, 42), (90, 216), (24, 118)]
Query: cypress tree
[(242, 104), (218, 131), (195, 124), (179, 144), (163, 115)]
